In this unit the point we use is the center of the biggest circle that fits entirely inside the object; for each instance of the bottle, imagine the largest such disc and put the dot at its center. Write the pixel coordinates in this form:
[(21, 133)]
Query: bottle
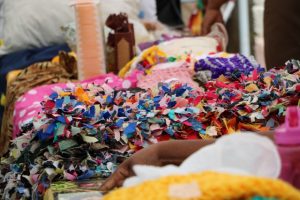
[(287, 138)]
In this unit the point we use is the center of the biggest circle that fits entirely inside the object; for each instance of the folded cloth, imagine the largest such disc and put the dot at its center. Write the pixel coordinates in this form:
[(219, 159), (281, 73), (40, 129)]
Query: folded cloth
[(178, 49), (166, 72), (23, 59)]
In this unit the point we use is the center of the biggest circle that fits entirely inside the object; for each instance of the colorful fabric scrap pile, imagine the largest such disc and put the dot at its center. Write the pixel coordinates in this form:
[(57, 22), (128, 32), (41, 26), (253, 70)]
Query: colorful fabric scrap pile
[(254, 102), (84, 133), (87, 131)]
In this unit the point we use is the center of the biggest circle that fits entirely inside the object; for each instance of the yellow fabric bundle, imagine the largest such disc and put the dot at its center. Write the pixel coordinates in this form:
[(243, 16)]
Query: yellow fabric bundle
[(207, 186), (150, 55)]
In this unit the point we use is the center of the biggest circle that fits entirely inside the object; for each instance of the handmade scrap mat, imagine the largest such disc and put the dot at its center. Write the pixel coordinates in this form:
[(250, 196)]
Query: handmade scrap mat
[(86, 131)]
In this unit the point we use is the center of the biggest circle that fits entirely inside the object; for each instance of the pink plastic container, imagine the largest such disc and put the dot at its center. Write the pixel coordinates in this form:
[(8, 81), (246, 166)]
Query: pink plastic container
[(287, 138)]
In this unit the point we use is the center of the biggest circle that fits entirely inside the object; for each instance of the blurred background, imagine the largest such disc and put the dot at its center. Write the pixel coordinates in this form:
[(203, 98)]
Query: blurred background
[(245, 28)]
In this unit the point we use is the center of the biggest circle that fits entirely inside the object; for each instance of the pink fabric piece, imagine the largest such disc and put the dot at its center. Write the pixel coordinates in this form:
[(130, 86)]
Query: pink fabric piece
[(29, 105), (167, 72)]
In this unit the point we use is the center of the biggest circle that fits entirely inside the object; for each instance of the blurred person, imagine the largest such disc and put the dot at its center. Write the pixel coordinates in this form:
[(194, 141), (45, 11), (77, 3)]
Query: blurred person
[(213, 14), (281, 28), (281, 31), (167, 12), (160, 154)]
